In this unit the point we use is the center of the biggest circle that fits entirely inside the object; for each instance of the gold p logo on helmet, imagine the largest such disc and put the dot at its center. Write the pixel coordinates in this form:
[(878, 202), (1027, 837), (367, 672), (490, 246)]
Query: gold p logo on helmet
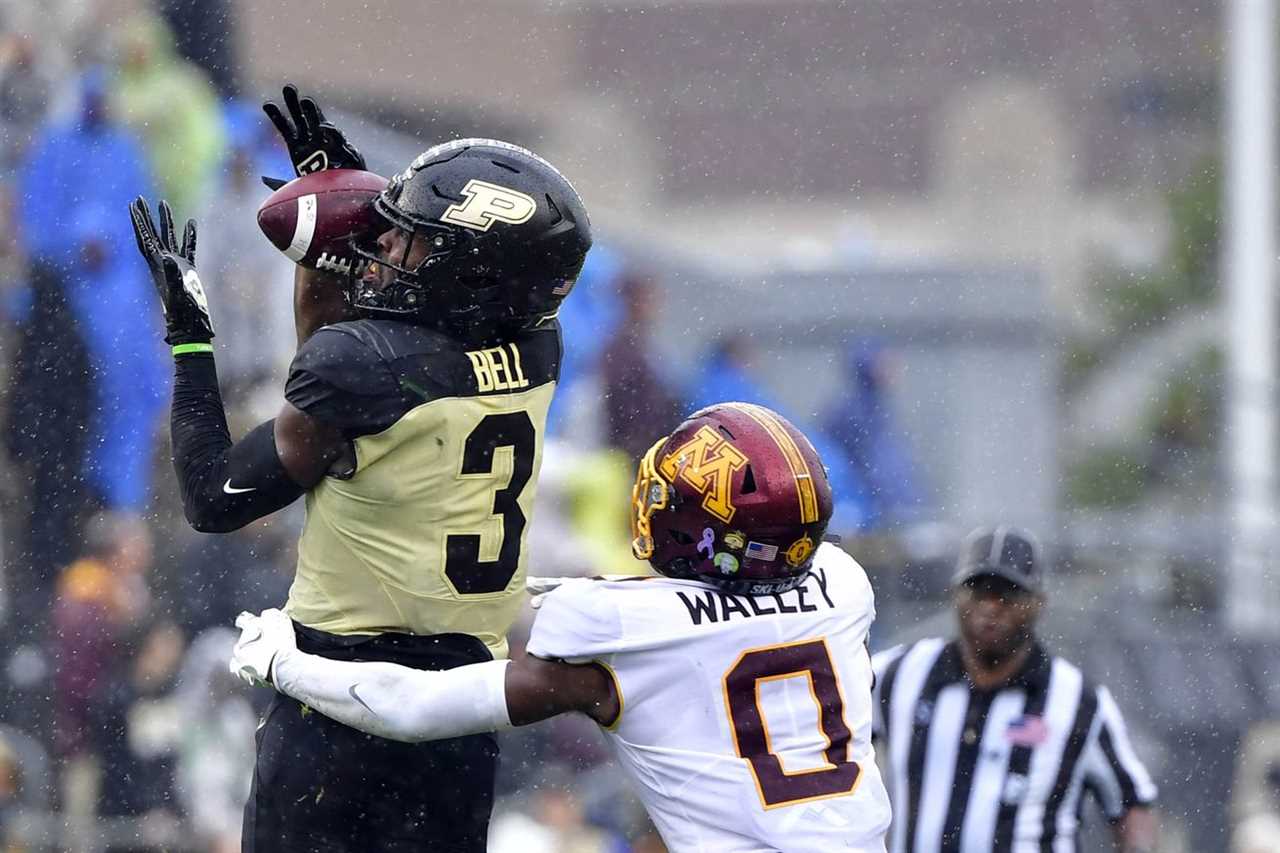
[(487, 203)]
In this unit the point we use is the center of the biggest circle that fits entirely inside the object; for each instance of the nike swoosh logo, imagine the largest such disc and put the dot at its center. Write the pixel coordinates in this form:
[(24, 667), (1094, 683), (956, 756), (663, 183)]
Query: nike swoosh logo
[(356, 696), (232, 490)]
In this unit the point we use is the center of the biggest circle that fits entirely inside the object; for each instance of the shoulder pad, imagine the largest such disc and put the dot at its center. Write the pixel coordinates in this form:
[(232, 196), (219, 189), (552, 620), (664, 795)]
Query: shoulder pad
[(843, 577), (339, 376), (392, 340), (576, 623)]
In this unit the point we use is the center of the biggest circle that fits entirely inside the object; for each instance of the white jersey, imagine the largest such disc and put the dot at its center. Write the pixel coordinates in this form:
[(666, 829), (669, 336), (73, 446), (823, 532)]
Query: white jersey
[(746, 720)]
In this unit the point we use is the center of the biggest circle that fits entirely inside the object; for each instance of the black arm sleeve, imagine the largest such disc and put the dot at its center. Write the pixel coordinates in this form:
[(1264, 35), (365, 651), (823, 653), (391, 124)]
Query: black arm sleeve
[(224, 486)]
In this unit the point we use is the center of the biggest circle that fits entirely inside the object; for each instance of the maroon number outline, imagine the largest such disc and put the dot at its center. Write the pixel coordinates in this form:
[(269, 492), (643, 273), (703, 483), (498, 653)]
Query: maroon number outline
[(777, 787)]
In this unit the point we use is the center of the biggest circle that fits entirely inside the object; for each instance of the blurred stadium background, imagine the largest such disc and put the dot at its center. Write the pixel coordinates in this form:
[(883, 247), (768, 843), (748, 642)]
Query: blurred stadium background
[(973, 247)]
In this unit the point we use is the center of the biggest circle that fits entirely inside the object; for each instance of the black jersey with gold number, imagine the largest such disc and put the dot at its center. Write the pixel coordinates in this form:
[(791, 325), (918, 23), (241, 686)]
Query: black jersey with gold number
[(427, 535)]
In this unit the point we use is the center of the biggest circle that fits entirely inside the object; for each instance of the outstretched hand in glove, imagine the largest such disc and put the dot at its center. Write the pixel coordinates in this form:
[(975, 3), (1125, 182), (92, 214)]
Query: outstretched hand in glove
[(314, 143), (172, 267)]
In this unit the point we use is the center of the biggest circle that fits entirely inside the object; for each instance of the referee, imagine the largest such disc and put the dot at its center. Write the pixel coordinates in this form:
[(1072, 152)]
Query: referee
[(989, 741)]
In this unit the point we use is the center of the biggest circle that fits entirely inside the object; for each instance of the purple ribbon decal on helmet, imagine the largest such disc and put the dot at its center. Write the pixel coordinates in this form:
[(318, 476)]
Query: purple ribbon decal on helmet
[(708, 542)]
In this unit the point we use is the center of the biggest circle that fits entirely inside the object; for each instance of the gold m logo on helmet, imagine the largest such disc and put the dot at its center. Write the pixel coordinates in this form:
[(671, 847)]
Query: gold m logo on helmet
[(706, 462), (485, 203)]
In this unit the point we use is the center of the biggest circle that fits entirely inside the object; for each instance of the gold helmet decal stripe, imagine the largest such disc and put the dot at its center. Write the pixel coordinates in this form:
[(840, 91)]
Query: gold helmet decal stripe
[(791, 451)]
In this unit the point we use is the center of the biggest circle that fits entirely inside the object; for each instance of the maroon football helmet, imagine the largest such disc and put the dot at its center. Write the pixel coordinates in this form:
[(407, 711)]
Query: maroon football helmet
[(736, 496)]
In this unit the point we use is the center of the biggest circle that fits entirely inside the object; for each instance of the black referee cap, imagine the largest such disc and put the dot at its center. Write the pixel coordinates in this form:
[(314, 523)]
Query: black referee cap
[(1003, 551)]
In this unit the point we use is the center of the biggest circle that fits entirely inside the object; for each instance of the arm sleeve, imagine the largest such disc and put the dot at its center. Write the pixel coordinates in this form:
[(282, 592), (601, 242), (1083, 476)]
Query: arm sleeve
[(397, 702), (1112, 768), (224, 486)]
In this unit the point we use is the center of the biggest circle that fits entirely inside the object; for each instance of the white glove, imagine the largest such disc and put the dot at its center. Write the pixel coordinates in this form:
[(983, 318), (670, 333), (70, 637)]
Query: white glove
[(262, 638)]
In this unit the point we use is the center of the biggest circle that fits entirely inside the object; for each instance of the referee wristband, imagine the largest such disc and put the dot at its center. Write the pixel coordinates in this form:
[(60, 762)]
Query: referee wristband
[(188, 349)]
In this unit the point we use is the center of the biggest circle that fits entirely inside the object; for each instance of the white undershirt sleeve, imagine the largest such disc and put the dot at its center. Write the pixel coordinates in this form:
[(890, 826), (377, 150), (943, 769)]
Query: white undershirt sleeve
[(394, 701)]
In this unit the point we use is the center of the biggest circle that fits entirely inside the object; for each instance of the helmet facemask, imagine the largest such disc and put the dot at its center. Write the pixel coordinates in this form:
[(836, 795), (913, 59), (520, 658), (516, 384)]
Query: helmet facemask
[(651, 493), (411, 291)]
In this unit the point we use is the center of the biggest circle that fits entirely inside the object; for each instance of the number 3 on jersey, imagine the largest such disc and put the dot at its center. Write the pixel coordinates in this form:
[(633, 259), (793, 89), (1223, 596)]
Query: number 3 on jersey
[(463, 567), (809, 659)]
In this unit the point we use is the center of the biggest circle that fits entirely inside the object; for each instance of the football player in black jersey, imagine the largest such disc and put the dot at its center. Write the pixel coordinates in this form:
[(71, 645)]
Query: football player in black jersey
[(413, 426)]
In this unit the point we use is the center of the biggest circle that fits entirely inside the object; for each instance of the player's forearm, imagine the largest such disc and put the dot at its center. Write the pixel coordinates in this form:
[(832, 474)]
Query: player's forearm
[(223, 486), (395, 701)]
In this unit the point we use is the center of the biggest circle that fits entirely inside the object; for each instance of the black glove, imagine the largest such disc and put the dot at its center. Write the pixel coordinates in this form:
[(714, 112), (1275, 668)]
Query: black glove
[(186, 311), (314, 144)]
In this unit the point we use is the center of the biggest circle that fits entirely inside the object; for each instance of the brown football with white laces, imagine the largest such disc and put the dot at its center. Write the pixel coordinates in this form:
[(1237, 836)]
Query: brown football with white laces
[(312, 219)]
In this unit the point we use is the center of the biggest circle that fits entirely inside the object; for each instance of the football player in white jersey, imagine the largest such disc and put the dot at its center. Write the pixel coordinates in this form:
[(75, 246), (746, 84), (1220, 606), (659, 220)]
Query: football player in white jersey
[(735, 688)]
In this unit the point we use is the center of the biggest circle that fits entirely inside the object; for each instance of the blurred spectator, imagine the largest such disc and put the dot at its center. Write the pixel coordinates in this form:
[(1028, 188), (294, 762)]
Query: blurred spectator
[(71, 220), (863, 424), (555, 538), (10, 784), (588, 321), (1257, 834), (61, 32), (134, 732), (637, 400), (648, 842), (727, 375), (251, 280), (171, 105), (30, 74), (250, 135), (102, 598), (557, 824), (204, 33), (223, 574), (48, 407), (215, 751), (1255, 799)]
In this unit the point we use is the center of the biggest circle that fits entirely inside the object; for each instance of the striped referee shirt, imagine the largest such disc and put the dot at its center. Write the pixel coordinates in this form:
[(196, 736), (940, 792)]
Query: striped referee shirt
[(1003, 771)]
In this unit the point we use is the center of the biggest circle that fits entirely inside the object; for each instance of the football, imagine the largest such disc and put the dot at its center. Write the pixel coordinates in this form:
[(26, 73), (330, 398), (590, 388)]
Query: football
[(313, 218)]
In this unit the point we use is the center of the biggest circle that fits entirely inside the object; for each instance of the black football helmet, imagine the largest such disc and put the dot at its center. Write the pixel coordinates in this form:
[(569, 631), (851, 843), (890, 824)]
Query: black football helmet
[(506, 236)]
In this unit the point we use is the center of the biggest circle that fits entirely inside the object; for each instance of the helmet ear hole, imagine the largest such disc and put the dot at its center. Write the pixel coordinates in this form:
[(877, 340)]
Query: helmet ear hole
[(749, 482), (680, 537)]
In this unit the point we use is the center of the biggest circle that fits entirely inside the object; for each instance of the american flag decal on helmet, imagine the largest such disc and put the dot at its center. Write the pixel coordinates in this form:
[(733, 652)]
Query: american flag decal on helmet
[(563, 288)]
